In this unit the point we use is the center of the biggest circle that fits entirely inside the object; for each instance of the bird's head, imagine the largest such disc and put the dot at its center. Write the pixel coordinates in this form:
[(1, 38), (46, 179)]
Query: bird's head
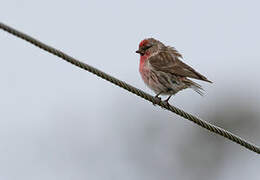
[(149, 46)]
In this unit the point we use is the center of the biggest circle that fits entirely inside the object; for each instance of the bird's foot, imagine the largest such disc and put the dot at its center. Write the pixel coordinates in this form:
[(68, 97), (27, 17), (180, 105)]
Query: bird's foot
[(166, 101), (158, 100)]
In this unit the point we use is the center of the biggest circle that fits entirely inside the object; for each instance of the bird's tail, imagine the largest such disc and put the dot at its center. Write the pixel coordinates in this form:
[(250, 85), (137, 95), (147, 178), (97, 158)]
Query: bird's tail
[(196, 87)]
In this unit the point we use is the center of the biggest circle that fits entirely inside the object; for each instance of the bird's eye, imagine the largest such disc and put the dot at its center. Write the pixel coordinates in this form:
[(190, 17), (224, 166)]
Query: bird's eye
[(147, 47)]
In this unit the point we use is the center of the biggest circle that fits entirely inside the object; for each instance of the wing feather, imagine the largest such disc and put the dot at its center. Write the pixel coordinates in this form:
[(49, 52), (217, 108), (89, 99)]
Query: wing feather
[(168, 61)]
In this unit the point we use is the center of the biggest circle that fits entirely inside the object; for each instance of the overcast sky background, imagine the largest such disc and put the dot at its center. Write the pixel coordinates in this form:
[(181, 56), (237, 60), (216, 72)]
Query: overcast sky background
[(60, 122)]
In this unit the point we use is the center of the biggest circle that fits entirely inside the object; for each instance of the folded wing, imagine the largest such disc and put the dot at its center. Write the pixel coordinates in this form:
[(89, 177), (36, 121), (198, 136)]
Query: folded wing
[(168, 61)]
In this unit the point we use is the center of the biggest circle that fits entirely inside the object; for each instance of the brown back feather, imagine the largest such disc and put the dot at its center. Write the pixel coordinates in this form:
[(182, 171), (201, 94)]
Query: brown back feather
[(166, 62)]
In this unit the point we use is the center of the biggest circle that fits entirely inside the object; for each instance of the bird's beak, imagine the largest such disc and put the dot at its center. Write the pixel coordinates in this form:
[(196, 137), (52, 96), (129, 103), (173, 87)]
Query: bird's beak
[(138, 51), (141, 52)]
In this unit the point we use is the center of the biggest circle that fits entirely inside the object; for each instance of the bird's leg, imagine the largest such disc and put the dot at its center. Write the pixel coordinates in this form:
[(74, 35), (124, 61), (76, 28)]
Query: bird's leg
[(157, 97), (166, 100)]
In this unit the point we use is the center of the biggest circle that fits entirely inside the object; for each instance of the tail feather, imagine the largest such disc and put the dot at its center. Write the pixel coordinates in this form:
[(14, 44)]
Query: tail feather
[(196, 87)]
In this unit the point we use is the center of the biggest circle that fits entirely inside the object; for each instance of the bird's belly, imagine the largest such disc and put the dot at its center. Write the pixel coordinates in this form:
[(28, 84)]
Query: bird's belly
[(145, 74), (160, 82)]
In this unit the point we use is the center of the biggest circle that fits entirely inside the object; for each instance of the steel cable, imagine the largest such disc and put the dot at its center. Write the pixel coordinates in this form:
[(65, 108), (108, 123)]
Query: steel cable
[(132, 89)]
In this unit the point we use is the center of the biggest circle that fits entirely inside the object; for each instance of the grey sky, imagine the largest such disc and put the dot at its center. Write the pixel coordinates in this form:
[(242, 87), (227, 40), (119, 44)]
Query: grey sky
[(60, 122)]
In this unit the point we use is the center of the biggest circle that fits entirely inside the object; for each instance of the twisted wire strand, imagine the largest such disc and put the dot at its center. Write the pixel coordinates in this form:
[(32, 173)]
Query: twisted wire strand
[(132, 89)]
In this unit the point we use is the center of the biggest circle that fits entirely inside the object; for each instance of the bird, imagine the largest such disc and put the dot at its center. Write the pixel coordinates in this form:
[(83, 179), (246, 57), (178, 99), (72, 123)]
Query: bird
[(163, 71)]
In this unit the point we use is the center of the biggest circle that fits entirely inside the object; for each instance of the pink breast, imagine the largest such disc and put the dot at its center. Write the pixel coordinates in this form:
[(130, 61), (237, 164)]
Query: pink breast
[(143, 69)]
